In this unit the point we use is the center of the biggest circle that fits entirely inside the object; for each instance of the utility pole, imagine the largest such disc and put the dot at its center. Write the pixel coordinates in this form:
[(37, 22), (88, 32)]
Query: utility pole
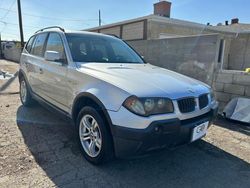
[(100, 21), (20, 22), (0, 47)]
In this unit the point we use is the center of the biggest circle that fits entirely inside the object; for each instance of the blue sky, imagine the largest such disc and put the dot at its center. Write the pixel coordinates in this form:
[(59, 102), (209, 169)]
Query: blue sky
[(81, 14)]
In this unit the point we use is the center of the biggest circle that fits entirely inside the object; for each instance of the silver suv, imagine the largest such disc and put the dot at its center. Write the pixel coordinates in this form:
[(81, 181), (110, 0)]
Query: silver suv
[(121, 105)]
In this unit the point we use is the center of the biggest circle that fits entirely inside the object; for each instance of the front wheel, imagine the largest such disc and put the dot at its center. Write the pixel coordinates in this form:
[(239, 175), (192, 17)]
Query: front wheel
[(95, 139)]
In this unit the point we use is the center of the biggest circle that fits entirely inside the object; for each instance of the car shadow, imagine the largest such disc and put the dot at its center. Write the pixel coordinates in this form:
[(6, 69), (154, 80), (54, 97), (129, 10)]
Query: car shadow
[(233, 125), (53, 144), (8, 82)]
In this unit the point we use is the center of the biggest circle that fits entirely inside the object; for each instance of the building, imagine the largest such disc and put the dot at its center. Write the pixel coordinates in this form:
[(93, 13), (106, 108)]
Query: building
[(157, 25)]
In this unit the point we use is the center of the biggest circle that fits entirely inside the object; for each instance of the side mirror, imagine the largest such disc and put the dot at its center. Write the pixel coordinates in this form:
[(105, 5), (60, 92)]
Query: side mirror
[(52, 56), (142, 56)]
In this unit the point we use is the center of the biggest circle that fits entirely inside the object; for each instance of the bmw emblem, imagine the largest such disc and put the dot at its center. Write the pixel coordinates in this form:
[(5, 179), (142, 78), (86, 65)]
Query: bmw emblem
[(191, 90)]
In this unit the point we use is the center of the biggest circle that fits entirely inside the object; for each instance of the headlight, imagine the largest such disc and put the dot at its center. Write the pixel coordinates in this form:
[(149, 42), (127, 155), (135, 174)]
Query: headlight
[(148, 106)]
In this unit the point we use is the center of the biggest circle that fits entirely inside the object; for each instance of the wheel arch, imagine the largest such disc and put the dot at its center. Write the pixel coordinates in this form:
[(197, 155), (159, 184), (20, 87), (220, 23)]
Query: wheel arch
[(88, 99), (21, 74)]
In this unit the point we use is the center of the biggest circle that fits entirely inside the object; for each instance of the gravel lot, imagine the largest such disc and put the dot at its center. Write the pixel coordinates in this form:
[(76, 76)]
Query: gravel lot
[(38, 149)]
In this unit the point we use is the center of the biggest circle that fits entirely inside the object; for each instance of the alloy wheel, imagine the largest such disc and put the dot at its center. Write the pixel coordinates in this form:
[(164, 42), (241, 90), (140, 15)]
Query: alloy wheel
[(23, 91), (90, 135)]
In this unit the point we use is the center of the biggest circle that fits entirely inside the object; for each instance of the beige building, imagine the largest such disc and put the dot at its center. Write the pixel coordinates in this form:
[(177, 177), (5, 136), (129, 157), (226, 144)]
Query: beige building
[(154, 26), (151, 27)]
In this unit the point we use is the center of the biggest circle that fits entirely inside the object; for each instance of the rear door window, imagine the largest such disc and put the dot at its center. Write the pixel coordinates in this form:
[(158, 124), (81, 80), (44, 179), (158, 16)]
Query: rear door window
[(38, 47)]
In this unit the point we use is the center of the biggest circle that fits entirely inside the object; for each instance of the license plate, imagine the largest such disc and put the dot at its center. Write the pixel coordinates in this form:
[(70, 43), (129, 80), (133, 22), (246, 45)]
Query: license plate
[(199, 131)]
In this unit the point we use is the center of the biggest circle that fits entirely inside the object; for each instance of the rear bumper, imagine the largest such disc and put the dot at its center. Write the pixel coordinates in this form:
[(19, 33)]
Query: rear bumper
[(159, 134)]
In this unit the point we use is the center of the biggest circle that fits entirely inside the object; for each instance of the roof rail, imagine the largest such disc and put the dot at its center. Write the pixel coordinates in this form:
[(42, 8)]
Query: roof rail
[(51, 28)]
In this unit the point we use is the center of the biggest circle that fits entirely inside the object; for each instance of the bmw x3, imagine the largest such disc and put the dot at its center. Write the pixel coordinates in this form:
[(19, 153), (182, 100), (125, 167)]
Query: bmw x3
[(121, 106)]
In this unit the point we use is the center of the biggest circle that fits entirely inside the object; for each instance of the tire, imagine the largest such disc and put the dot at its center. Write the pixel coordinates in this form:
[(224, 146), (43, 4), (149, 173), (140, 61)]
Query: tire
[(91, 128), (25, 95)]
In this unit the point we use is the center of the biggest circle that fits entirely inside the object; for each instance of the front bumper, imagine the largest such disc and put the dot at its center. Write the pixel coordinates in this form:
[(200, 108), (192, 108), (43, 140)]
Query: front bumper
[(159, 134)]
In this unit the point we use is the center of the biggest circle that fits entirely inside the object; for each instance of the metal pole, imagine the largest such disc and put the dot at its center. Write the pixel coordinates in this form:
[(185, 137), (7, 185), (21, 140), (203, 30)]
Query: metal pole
[(100, 21), (0, 46), (20, 22)]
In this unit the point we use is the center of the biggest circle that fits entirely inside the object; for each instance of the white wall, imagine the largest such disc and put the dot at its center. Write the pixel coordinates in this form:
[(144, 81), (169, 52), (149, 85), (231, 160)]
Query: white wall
[(12, 54)]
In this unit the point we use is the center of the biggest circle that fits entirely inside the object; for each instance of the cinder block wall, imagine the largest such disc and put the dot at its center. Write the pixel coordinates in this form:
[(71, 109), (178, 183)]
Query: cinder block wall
[(229, 84), (194, 56), (158, 26), (239, 54)]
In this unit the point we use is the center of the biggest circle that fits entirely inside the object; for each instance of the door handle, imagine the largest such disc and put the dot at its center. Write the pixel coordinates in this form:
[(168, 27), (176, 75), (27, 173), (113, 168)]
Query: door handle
[(40, 70)]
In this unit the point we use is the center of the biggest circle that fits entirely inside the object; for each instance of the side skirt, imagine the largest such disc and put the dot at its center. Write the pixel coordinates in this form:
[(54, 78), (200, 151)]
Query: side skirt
[(62, 114)]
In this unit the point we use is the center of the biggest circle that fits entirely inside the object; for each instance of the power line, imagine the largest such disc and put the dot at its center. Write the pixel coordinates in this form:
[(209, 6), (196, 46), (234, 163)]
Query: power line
[(8, 10), (61, 19), (6, 14), (50, 18), (8, 33), (10, 23)]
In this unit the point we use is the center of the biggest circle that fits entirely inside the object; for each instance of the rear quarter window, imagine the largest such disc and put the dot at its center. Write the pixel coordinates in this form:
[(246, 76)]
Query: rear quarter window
[(29, 44)]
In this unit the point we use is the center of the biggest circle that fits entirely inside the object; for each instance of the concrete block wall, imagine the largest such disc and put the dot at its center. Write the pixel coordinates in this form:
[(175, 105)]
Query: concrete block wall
[(239, 54), (113, 30), (156, 27), (194, 56), (133, 31), (229, 84), (227, 48)]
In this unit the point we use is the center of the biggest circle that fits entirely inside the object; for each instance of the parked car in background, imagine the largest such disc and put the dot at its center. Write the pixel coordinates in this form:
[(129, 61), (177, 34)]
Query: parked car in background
[(121, 106)]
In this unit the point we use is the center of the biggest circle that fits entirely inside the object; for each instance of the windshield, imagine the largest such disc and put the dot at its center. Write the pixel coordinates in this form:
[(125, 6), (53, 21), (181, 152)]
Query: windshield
[(101, 48)]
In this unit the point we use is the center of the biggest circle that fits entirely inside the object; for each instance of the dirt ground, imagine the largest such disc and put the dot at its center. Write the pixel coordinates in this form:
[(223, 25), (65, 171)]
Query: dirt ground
[(6, 66), (38, 149)]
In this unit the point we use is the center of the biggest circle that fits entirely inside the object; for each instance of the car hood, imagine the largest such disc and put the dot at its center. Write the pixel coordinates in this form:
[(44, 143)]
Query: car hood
[(145, 80)]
